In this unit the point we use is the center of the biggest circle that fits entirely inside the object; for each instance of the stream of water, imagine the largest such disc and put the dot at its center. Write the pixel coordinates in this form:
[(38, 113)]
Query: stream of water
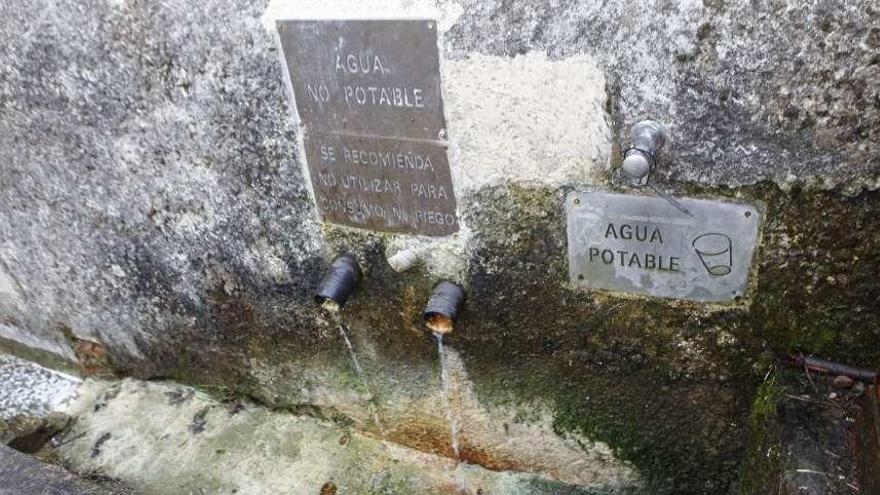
[(361, 376), (444, 376)]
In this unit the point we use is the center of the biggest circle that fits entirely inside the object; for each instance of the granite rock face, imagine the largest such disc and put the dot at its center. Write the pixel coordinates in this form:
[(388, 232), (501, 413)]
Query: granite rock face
[(750, 91), (155, 220), (23, 474), (148, 160), (28, 389)]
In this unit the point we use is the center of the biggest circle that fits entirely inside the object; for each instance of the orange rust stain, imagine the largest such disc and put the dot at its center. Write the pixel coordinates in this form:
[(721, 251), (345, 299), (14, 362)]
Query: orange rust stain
[(434, 439), (490, 461), (92, 357), (422, 436)]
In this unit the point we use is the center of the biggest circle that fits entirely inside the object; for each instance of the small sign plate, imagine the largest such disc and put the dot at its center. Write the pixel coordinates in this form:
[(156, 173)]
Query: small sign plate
[(645, 245), (382, 184), (368, 93)]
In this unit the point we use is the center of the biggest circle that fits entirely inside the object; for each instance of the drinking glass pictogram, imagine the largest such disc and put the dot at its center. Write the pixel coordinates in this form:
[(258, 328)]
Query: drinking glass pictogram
[(715, 252)]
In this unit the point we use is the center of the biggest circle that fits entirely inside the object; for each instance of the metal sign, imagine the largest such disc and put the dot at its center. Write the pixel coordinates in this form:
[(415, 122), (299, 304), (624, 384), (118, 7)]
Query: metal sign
[(368, 93), (645, 245), (382, 184)]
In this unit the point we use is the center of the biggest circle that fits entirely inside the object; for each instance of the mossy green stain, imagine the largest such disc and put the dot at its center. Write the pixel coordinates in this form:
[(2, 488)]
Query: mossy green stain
[(763, 465)]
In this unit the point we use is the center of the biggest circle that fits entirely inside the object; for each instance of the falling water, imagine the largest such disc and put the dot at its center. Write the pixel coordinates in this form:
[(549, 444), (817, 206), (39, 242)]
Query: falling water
[(444, 376), (354, 358), (357, 367)]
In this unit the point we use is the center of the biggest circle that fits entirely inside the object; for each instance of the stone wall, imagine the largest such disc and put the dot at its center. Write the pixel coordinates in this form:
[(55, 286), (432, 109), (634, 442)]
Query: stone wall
[(154, 202)]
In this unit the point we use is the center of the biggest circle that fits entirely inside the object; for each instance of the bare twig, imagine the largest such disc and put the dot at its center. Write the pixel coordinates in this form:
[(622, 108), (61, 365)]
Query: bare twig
[(810, 378), (66, 441), (822, 366)]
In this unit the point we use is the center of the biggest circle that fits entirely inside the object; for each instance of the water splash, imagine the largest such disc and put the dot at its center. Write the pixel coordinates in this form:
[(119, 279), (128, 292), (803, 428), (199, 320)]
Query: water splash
[(444, 376), (354, 358)]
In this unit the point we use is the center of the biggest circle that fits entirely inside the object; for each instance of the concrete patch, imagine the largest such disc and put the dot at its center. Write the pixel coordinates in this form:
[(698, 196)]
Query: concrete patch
[(526, 119)]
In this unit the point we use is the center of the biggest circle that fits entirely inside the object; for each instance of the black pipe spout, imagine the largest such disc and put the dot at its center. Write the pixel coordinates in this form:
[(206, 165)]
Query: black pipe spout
[(338, 283), (443, 307)]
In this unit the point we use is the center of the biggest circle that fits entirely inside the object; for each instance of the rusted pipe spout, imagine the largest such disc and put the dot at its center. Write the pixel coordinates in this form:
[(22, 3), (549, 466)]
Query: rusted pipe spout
[(822, 366), (443, 307), (338, 283)]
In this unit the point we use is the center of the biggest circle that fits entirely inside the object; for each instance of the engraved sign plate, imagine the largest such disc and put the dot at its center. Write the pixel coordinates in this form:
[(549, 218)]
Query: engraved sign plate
[(382, 184), (368, 94), (366, 77), (645, 245)]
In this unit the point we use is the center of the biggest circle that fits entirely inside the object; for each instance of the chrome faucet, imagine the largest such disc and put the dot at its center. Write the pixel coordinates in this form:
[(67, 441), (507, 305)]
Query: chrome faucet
[(647, 137)]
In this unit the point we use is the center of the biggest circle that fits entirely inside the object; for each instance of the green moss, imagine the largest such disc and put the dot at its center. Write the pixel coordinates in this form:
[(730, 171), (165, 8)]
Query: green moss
[(817, 277), (763, 466), (392, 485), (612, 369)]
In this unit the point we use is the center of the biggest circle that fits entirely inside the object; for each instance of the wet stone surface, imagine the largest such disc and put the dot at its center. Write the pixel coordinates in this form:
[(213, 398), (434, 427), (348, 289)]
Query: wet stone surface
[(20, 474), (818, 436), (138, 436)]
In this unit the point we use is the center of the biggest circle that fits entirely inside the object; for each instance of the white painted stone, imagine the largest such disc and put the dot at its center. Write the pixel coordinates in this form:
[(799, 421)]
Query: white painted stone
[(526, 119), (404, 260), (443, 257)]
